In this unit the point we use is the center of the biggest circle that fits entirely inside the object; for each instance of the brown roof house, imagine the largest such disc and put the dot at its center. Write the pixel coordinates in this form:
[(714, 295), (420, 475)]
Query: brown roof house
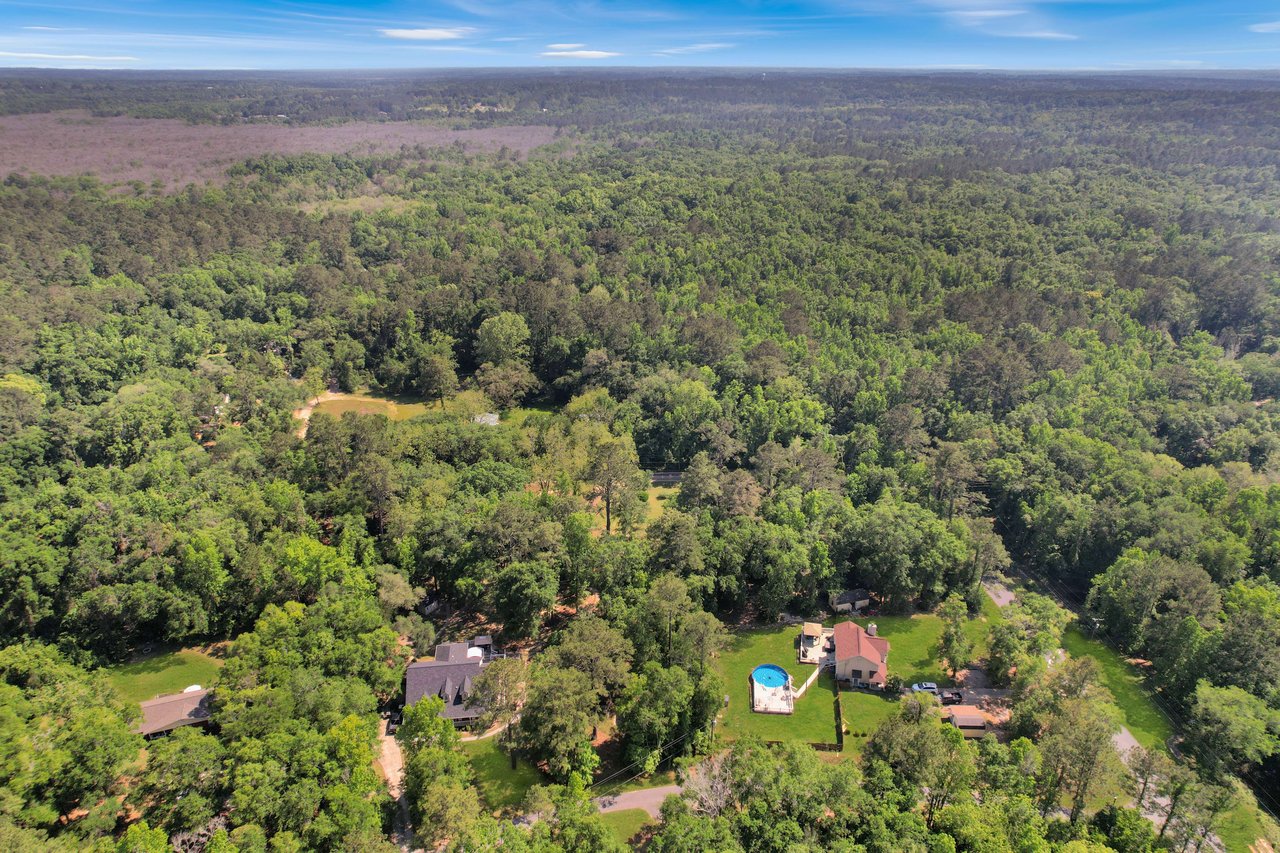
[(970, 720), (450, 675), (862, 658), (166, 713)]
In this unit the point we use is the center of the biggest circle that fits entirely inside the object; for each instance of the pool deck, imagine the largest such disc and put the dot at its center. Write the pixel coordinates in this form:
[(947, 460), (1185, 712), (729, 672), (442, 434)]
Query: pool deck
[(772, 700)]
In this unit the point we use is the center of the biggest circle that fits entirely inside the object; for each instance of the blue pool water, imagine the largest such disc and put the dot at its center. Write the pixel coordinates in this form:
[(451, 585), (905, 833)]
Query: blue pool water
[(769, 675)]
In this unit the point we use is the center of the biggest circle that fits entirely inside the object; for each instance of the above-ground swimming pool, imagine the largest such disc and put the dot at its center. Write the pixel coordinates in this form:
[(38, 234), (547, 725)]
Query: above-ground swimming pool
[(769, 675)]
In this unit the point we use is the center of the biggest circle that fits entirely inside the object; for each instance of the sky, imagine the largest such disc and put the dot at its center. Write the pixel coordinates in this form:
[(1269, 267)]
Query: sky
[(929, 34)]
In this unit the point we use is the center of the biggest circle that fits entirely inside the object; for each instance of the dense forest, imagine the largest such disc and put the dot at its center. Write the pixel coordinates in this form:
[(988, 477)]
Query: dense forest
[(897, 331)]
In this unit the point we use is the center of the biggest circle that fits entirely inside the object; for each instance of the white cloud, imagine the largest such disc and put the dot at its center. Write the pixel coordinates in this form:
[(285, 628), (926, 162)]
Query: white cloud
[(693, 48), (563, 46), (1266, 27), (449, 48), (55, 29), (1042, 34), (580, 54), (999, 18), (976, 17), (67, 57), (430, 33)]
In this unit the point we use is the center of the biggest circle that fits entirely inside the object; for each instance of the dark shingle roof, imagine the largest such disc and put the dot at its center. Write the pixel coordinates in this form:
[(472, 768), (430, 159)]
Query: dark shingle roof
[(448, 676), (853, 596)]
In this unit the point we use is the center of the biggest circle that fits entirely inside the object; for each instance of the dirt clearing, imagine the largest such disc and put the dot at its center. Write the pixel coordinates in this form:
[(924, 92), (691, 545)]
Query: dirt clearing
[(121, 149)]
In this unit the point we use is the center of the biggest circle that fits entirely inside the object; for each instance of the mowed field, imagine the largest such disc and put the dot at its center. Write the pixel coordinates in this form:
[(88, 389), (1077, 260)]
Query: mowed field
[(164, 673), (120, 149)]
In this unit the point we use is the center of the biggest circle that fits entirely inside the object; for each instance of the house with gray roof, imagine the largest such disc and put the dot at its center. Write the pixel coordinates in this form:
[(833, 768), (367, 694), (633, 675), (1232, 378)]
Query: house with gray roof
[(451, 675)]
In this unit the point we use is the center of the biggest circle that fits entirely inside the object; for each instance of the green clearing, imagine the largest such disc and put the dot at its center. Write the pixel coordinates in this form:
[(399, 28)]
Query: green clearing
[(168, 672), (397, 409), (657, 498), (1140, 715), (640, 783), (1244, 825), (517, 416), (500, 786), (627, 823), (913, 655)]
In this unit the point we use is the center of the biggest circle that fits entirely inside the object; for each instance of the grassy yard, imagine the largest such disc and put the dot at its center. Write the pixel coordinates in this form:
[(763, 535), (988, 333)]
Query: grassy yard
[(914, 642), (169, 672), (500, 786), (517, 416), (913, 655), (814, 719), (862, 713), (1140, 715), (627, 823)]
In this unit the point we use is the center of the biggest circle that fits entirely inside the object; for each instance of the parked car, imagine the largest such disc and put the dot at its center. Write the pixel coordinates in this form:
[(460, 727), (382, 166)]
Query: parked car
[(925, 687), (394, 721), (952, 697)]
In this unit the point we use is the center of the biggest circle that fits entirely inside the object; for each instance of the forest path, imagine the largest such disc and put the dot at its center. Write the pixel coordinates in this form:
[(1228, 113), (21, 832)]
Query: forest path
[(391, 760)]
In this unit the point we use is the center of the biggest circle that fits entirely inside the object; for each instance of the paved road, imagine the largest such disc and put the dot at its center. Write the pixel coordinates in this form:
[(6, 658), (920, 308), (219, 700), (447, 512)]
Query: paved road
[(649, 799)]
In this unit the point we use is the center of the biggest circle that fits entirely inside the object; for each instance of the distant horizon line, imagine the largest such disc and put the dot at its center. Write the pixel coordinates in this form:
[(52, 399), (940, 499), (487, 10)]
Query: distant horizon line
[(667, 69)]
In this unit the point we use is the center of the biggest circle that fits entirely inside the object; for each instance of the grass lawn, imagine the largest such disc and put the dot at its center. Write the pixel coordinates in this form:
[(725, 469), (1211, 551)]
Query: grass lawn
[(814, 720), (1241, 828), (500, 786), (914, 641), (913, 645), (517, 416), (863, 712), (371, 404), (626, 823), (169, 672), (913, 655), (658, 496), (625, 784), (1140, 715)]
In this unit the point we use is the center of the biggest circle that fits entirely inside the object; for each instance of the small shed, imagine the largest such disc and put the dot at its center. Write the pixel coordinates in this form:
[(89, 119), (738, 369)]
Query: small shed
[(850, 601)]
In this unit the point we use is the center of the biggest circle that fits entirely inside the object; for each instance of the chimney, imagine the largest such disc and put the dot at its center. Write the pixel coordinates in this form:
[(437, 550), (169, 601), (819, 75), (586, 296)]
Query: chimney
[(871, 629)]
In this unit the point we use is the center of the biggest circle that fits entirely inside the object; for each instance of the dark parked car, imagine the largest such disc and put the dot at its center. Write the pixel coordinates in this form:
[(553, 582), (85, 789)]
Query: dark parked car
[(952, 697), (394, 721)]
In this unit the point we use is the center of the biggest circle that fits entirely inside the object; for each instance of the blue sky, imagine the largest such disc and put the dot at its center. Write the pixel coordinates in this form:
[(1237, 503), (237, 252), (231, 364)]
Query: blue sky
[(1006, 34)]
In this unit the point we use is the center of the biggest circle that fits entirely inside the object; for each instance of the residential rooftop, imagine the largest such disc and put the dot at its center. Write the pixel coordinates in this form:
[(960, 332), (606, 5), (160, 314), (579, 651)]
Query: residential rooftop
[(166, 713)]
